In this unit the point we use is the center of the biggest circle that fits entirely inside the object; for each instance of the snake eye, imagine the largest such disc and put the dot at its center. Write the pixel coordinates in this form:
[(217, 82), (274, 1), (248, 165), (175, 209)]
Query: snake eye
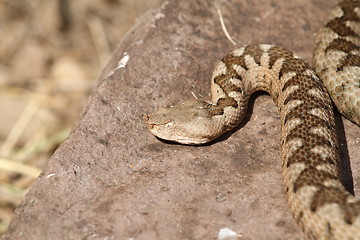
[(169, 124)]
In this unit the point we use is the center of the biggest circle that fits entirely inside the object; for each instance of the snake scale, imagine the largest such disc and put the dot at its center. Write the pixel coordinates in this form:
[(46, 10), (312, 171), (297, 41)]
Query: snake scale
[(310, 153)]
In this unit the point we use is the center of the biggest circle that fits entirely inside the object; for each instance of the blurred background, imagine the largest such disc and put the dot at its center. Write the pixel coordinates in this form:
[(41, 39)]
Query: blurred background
[(51, 54)]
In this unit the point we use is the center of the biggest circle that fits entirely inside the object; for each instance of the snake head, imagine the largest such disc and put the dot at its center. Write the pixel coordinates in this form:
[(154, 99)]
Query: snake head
[(186, 123)]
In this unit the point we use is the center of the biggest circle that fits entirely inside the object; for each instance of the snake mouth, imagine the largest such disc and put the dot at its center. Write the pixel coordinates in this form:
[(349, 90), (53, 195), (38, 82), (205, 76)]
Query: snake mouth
[(192, 141)]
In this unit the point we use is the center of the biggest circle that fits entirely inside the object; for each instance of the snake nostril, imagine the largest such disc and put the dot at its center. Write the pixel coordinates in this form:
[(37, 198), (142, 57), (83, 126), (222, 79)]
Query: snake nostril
[(146, 117)]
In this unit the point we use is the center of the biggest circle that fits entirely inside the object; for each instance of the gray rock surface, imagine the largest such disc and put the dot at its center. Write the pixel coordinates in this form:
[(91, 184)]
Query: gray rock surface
[(111, 179)]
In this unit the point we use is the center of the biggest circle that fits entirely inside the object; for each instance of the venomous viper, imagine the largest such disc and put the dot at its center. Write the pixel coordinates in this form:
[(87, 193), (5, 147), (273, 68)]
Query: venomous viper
[(310, 154)]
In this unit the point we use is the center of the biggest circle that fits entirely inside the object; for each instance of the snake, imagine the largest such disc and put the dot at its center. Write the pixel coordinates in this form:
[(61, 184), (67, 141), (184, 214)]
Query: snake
[(311, 164)]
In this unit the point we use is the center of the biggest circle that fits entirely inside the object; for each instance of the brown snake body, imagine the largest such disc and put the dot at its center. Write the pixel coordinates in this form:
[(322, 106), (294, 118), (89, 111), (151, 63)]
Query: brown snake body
[(310, 153)]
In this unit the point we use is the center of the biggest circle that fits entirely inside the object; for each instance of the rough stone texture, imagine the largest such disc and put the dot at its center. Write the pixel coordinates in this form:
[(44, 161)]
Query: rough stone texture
[(113, 180)]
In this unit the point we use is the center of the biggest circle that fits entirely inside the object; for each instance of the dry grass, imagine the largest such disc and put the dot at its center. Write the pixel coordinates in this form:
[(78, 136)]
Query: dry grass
[(51, 54)]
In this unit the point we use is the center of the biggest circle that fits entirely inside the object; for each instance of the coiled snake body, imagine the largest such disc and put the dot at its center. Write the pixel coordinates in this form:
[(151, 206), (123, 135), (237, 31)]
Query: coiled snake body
[(310, 153)]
